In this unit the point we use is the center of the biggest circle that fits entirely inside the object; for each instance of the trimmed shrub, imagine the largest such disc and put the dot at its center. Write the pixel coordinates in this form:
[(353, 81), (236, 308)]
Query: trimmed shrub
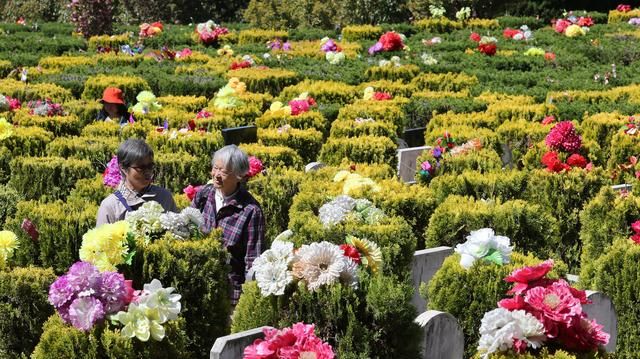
[(464, 133), (518, 111), (101, 129), (9, 199), (24, 307), (306, 142), (65, 62), (268, 80), (97, 150), (616, 274), (199, 144), (351, 128), (469, 293), (87, 111), (438, 25), (392, 73), (197, 269), (91, 190), (321, 91), (377, 110), (274, 156), (303, 121), (395, 88), (601, 128), (472, 119), (24, 92), (505, 185), (529, 226), (177, 170), (366, 149), (258, 36), (27, 141), (59, 125), (60, 226), (518, 136), (130, 86), (444, 82), (482, 161), (109, 41), (623, 146), (184, 103), (47, 177)]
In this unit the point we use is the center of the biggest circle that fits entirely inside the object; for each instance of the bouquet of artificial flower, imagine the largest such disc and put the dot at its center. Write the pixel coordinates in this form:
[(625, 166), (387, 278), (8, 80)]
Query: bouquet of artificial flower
[(8, 104), (298, 105), (147, 103), (150, 30), (370, 94), (209, 32), (573, 26), (563, 139), (344, 208), (150, 222), (45, 108), (485, 245), (523, 33), (112, 176), (299, 341), (389, 41), (227, 97), (8, 244)]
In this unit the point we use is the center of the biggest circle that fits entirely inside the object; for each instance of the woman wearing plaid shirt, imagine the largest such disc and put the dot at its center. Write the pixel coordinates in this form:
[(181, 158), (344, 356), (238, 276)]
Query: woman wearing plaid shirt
[(225, 203)]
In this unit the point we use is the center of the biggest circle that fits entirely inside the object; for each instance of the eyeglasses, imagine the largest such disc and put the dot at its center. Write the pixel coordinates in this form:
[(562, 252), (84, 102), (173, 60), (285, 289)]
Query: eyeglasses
[(145, 169), (223, 172)]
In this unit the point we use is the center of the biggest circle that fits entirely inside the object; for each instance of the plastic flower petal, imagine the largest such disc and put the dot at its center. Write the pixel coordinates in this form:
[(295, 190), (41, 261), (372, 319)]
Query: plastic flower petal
[(162, 300)]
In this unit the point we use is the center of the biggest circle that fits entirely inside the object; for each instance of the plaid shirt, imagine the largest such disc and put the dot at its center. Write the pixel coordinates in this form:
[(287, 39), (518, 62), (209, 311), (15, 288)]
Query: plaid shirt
[(242, 224)]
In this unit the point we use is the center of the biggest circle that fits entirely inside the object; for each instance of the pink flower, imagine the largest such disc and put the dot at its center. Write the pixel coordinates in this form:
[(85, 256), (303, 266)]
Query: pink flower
[(514, 303), (524, 276), (623, 8), (636, 226), (381, 96), (255, 166), (509, 33), (561, 25), (298, 106), (636, 238), (563, 137), (191, 191), (554, 306), (111, 176), (585, 21), (475, 37), (260, 349), (550, 56), (548, 120), (576, 160), (583, 335)]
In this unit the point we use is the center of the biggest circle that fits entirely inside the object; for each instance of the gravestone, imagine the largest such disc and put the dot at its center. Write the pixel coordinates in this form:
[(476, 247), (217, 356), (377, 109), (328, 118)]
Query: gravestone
[(425, 264), (232, 346), (407, 158), (443, 337), (238, 135), (602, 310)]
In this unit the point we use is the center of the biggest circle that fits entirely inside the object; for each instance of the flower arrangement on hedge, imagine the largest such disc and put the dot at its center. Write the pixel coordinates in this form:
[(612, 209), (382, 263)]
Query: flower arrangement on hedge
[(85, 297), (8, 245), (150, 222), (573, 26), (209, 32), (355, 182), (277, 44), (246, 62), (147, 103), (445, 148), (484, 244), (344, 208), (150, 30), (8, 103), (301, 104), (299, 341), (389, 41), (228, 96), (112, 176), (564, 140), (487, 45), (108, 246), (523, 33), (332, 51), (45, 108), (371, 94), (542, 310)]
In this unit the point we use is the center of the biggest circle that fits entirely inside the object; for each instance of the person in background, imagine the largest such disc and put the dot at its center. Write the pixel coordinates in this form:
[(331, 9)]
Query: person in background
[(113, 107), (135, 160), (225, 203)]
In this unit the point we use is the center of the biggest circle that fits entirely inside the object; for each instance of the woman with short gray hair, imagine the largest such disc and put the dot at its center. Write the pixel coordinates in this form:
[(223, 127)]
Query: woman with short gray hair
[(135, 161), (225, 203)]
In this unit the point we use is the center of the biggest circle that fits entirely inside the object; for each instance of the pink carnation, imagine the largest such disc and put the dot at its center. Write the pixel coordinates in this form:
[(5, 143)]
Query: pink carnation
[(583, 335), (191, 191), (563, 137), (255, 166), (391, 41), (561, 25), (111, 176), (298, 106), (296, 342), (554, 306)]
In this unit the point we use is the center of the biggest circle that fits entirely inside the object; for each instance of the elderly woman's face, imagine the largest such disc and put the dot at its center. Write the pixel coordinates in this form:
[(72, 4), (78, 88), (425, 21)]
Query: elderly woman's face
[(140, 174), (223, 178)]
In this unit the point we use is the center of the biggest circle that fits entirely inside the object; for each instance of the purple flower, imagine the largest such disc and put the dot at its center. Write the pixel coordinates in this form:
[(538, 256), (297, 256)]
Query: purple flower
[(377, 47), (112, 176), (286, 46), (330, 45), (64, 313), (60, 292), (112, 292), (84, 312), (634, 21), (83, 276), (437, 152)]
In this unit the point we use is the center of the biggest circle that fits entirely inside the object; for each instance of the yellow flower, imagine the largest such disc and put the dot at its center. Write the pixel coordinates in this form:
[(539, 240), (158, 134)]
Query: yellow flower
[(241, 88), (370, 253), (8, 244), (105, 246), (469, 51), (341, 176), (233, 82), (6, 130), (574, 31), (276, 106), (355, 182)]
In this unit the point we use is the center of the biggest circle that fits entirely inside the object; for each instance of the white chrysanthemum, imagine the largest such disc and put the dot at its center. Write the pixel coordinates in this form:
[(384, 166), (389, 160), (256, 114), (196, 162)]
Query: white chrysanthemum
[(175, 223), (500, 327), (321, 264), (280, 252), (273, 277), (349, 275), (532, 330), (193, 216), (330, 214), (483, 243)]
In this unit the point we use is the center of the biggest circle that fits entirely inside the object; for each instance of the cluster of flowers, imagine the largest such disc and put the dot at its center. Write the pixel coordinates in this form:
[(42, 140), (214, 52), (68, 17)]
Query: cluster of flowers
[(149, 222), (108, 246), (536, 51), (446, 145), (84, 297), (45, 108), (354, 182), (150, 30), (573, 26), (316, 264), (6, 129), (8, 245), (541, 310), (631, 128), (298, 105), (371, 94), (245, 63), (488, 45), (635, 21), (332, 51), (225, 50), (8, 103), (564, 139), (389, 41), (277, 44), (228, 96), (299, 341), (344, 207), (635, 237), (523, 33), (209, 32), (128, 50), (485, 245), (623, 8), (147, 103), (428, 59)]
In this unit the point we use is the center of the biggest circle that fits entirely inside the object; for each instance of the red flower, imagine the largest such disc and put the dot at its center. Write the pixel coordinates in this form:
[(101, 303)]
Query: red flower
[(528, 275), (158, 24), (391, 41), (623, 8), (636, 226), (475, 37), (311, 101), (636, 238), (255, 166), (129, 291), (552, 162), (550, 56), (351, 252), (548, 120), (240, 65), (509, 33), (514, 303), (563, 137), (381, 96), (191, 191), (576, 160), (561, 25), (488, 49), (585, 21)]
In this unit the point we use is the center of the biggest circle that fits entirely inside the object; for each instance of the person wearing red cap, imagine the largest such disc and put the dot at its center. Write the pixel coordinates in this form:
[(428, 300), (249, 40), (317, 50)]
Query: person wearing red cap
[(114, 107)]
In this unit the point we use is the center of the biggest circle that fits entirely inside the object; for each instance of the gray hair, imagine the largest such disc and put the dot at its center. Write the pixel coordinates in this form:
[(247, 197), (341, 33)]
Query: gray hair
[(133, 151), (232, 159)]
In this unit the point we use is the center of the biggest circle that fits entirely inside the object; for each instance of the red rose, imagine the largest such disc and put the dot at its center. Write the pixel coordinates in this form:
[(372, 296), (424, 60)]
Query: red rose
[(509, 33), (391, 41), (530, 274), (475, 37), (576, 160), (636, 238), (488, 49), (351, 252)]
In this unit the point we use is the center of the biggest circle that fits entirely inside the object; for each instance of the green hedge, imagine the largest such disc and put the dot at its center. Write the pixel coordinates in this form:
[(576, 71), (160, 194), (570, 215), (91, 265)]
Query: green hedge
[(274, 156), (60, 225), (602, 127), (9, 199), (365, 149), (97, 150), (623, 146), (47, 177), (306, 142), (503, 185), (383, 111), (24, 307), (392, 72), (201, 145), (90, 190), (131, 86), (176, 171), (483, 161), (464, 133), (27, 141), (519, 135), (529, 226), (469, 293), (58, 125), (350, 128), (303, 121)]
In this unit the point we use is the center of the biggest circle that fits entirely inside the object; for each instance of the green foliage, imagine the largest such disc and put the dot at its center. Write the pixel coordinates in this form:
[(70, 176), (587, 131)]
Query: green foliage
[(33, 10), (197, 270), (485, 160), (97, 150), (131, 86), (601, 128), (361, 32), (27, 141), (530, 228), (518, 136), (350, 128), (47, 177), (503, 185), (303, 121), (306, 142), (177, 170), (366, 149), (90, 190), (9, 199), (60, 225), (274, 156), (469, 293), (392, 73), (24, 307), (201, 145), (623, 146), (58, 125)]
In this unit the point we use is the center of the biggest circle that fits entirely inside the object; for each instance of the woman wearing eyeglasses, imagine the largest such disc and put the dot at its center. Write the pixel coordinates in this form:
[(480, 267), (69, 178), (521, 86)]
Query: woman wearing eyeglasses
[(135, 159), (225, 203)]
